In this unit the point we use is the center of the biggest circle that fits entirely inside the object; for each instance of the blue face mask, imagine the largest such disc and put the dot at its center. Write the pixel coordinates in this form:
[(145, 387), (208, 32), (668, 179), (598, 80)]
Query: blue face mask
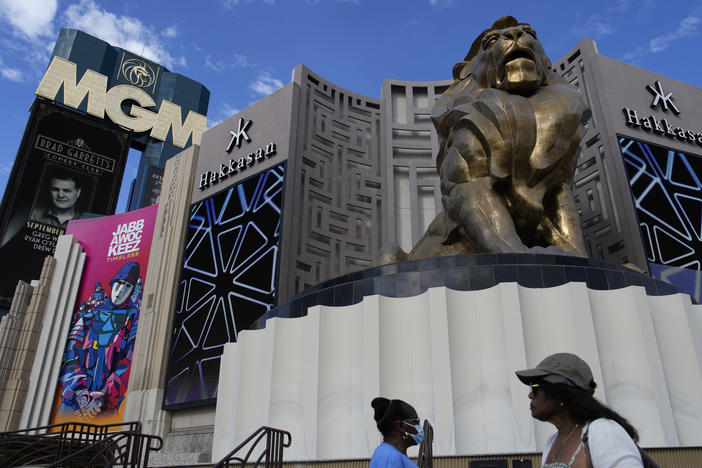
[(419, 436)]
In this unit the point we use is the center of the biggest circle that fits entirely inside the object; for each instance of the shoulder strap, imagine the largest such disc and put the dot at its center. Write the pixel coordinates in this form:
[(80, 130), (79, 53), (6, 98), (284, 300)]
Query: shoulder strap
[(646, 459), (588, 457)]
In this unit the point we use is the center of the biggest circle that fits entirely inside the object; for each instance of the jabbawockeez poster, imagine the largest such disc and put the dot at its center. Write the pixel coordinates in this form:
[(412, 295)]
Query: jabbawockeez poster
[(98, 355)]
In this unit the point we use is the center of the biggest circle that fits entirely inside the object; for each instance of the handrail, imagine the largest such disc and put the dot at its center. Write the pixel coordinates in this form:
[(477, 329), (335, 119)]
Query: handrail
[(77, 443), (272, 455), (115, 451)]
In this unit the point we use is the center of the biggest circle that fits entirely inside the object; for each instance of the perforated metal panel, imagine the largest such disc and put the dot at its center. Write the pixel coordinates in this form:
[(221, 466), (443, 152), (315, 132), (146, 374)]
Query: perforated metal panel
[(334, 199), (410, 146), (603, 218)]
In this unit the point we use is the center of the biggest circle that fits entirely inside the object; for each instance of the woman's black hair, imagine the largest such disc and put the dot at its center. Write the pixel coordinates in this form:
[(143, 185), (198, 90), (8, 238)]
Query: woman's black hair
[(584, 407), (387, 412)]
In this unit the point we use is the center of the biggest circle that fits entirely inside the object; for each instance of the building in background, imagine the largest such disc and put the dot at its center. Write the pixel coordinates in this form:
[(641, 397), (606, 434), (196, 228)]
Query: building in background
[(94, 103), (638, 177)]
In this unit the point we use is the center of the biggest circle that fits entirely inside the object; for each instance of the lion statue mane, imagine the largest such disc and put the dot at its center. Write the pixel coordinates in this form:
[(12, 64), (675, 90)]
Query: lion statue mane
[(509, 131)]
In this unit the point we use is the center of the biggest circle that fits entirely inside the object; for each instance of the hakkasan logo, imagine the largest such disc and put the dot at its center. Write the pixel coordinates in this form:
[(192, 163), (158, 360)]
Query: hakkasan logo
[(138, 72), (236, 164), (661, 126)]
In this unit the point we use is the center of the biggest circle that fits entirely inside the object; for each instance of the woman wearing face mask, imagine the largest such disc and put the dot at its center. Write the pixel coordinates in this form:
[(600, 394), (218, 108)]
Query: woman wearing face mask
[(399, 424), (589, 433)]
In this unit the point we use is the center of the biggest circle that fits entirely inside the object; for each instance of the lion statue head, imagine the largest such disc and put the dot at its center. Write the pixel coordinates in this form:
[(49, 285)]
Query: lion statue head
[(508, 56)]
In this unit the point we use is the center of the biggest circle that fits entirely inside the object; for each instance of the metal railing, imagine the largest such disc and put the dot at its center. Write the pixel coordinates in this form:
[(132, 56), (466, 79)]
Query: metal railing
[(270, 457), (79, 444)]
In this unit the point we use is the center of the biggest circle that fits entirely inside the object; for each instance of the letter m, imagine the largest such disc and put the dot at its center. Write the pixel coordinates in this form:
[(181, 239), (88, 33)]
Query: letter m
[(170, 118), (62, 72)]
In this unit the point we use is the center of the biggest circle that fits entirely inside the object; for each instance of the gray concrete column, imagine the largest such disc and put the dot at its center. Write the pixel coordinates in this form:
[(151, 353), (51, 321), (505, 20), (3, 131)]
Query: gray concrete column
[(147, 376), (14, 368), (55, 294)]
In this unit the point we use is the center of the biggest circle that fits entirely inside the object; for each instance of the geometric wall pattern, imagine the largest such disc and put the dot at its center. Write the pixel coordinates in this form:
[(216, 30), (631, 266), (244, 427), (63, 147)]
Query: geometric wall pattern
[(667, 195), (410, 145), (227, 282), (603, 236), (337, 194)]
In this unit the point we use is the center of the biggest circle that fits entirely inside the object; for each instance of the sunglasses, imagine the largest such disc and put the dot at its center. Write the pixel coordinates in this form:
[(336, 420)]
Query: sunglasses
[(566, 381)]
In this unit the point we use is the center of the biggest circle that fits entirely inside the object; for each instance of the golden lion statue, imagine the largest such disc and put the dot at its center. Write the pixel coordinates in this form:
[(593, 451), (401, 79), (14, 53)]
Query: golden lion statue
[(509, 130)]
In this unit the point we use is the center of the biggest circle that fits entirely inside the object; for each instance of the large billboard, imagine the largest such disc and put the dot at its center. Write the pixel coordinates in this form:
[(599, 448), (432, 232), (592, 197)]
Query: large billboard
[(68, 165), (164, 110), (228, 281), (667, 194), (94, 374)]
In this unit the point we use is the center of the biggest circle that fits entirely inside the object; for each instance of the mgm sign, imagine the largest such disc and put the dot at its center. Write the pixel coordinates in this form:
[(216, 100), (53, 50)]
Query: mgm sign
[(94, 103), (62, 73)]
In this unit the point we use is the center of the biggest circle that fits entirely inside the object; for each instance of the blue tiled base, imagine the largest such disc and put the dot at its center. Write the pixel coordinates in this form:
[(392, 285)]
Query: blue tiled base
[(466, 273)]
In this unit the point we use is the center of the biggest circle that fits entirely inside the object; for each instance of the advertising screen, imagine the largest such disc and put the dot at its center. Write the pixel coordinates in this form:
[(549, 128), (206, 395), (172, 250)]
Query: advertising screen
[(667, 194), (97, 359), (68, 165), (227, 282)]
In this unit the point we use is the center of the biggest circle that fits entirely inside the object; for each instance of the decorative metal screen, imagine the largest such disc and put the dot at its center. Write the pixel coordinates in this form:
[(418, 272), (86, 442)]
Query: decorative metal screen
[(592, 183), (227, 282), (410, 145), (337, 195)]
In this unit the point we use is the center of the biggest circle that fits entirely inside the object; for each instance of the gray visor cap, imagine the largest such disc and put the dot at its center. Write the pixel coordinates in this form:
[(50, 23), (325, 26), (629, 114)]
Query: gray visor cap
[(560, 368)]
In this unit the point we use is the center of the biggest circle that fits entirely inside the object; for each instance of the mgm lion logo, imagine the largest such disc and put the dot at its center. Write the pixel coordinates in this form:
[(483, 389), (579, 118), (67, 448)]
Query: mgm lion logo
[(509, 129), (138, 73)]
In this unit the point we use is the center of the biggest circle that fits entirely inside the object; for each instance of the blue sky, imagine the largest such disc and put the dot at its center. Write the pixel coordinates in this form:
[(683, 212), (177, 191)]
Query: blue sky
[(243, 50)]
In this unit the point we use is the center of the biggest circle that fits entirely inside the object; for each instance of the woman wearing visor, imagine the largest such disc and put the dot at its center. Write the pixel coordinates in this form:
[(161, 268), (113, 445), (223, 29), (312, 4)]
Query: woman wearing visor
[(589, 433), (399, 424)]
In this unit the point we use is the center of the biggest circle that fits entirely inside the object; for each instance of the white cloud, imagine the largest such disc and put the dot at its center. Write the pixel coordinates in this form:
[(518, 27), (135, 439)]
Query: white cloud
[(265, 84), (10, 73), (217, 66), (6, 168), (440, 3), (626, 5), (229, 4), (31, 19), (355, 2), (228, 110), (126, 32), (593, 27), (224, 112), (634, 56), (170, 32), (689, 27), (238, 61), (619, 5)]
